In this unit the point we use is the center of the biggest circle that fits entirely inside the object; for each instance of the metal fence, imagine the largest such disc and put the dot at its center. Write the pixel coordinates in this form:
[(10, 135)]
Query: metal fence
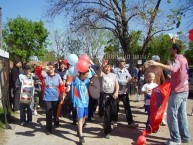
[(131, 63)]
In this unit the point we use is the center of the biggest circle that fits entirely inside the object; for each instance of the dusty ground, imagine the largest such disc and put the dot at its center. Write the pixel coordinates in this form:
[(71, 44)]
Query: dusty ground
[(34, 134), (2, 136)]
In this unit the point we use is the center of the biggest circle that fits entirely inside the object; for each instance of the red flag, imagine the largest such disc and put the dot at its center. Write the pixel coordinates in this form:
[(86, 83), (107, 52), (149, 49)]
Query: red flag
[(38, 72), (158, 102), (191, 35)]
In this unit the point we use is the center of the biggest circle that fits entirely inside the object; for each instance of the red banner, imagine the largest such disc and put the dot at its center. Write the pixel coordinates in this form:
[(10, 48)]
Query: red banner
[(158, 102)]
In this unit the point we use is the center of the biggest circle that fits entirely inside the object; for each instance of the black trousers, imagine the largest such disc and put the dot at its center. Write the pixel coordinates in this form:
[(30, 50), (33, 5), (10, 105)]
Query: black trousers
[(16, 104), (51, 110), (67, 106), (126, 103), (93, 103), (109, 105), (74, 115)]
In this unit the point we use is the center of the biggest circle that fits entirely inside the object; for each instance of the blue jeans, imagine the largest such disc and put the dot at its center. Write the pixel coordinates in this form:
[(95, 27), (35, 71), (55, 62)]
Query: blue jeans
[(23, 107), (177, 116)]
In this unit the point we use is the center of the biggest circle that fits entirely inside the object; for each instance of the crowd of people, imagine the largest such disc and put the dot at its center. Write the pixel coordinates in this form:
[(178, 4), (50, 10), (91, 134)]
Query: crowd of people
[(56, 85)]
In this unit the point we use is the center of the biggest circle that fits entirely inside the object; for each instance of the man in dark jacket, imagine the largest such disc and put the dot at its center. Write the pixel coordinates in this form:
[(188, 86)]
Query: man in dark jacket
[(15, 72)]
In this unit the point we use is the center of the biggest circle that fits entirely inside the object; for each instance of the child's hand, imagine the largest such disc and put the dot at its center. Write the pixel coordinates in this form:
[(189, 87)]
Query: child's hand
[(40, 83), (104, 62), (132, 80), (91, 83), (67, 88)]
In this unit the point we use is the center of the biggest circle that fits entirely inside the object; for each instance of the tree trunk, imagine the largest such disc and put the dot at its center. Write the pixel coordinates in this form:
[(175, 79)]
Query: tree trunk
[(149, 33)]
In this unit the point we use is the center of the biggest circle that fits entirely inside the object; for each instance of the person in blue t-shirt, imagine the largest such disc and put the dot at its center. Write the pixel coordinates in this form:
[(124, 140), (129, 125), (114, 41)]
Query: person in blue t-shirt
[(80, 99), (51, 96)]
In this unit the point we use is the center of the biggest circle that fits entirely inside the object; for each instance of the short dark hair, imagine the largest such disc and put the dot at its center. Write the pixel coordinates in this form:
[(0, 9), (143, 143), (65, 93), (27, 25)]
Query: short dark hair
[(26, 67), (176, 47), (51, 64), (83, 73)]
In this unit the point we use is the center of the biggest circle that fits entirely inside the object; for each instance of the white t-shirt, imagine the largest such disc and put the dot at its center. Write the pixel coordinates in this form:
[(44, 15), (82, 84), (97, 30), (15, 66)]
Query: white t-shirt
[(149, 86), (146, 87), (108, 82)]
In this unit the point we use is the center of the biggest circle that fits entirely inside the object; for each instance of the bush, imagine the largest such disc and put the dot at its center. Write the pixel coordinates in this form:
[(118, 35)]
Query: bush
[(2, 117)]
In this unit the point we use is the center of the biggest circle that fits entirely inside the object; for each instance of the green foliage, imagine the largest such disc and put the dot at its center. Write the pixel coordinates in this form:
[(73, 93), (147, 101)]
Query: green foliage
[(1, 117), (49, 56), (134, 42), (24, 38), (112, 46), (189, 54), (159, 45)]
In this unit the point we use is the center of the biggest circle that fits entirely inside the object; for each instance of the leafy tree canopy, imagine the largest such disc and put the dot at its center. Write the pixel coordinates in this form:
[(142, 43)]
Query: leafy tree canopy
[(50, 56), (23, 38), (189, 54)]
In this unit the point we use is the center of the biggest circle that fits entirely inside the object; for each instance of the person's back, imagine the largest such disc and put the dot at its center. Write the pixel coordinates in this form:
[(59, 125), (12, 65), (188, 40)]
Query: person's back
[(159, 75), (179, 75)]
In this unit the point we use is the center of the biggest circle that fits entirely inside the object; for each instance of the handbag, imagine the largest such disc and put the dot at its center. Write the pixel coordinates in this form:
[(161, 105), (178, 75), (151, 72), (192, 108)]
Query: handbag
[(27, 91)]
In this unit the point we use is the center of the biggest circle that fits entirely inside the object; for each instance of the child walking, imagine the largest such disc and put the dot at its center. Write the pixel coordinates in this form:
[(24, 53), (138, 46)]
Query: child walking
[(26, 84), (80, 99), (147, 90)]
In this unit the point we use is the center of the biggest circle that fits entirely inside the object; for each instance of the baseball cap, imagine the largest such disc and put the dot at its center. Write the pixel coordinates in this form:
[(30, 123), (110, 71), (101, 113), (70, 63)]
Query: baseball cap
[(155, 58)]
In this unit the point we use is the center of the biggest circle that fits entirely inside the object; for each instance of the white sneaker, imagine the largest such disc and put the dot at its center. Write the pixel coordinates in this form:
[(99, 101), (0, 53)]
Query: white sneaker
[(18, 111), (114, 123), (35, 112), (164, 123), (22, 123)]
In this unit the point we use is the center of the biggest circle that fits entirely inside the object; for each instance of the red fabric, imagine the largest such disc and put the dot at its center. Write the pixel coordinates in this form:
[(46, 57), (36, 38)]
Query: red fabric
[(38, 72), (76, 93), (158, 102), (61, 88), (191, 35)]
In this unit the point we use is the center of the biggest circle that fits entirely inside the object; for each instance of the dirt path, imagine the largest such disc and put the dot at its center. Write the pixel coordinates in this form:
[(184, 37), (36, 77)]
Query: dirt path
[(34, 134), (2, 136)]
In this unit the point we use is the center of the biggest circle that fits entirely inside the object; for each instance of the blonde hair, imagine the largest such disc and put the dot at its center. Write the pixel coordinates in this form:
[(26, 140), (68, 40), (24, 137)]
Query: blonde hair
[(151, 74)]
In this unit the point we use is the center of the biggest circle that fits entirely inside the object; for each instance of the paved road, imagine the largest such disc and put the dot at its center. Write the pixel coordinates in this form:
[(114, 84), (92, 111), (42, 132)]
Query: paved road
[(34, 134)]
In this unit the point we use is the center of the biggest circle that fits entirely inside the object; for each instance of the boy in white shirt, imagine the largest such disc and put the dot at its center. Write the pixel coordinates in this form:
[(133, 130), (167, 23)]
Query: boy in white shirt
[(147, 90)]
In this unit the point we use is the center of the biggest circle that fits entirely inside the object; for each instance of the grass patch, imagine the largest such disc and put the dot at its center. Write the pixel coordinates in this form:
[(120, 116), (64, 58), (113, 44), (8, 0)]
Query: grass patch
[(2, 117)]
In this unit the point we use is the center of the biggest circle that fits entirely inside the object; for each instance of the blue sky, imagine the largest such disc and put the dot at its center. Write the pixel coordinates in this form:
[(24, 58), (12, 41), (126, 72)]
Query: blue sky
[(35, 10), (31, 9)]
